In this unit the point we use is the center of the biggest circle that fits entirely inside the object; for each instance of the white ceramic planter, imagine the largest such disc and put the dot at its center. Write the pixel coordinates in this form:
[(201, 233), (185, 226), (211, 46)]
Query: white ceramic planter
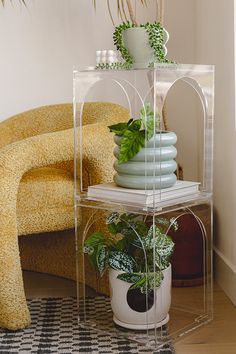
[(131, 312), (137, 42)]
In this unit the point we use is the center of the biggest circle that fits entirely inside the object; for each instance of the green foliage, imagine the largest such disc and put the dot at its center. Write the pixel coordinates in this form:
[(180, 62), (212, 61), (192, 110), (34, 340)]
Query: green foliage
[(134, 133), (131, 144), (144, 282), (97, 247), (118, 42), (147, 118), (141, 250), (101, 258), (119, 260), (162, 246), (155, 33), (113, 66)]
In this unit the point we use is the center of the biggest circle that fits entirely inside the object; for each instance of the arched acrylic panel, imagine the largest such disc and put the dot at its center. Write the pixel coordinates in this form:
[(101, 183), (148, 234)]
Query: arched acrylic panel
[(140, 156), (135, 213), (122, 291)]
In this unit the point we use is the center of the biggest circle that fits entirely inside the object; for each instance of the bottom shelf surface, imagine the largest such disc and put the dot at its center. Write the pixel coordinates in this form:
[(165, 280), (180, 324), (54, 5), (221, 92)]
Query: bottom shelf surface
[(187, 313)]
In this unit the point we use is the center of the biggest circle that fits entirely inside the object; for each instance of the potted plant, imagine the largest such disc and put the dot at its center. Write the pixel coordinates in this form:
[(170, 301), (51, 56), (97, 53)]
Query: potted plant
[(145, 154), (137, 256), (140, 45)]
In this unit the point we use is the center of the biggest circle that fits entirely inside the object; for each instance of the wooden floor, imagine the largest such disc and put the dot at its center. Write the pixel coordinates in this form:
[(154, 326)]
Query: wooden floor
[(218, 337)]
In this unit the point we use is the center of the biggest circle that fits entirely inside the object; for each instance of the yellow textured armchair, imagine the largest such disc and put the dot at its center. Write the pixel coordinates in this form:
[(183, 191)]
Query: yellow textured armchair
[(36, 185)]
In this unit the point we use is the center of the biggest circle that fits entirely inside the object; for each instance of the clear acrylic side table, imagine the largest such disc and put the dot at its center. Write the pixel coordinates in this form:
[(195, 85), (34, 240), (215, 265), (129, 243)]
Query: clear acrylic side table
[(187, 307)]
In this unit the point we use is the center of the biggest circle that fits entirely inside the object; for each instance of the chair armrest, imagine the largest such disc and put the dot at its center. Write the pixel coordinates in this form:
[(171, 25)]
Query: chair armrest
[(15, 160), (47, 149)]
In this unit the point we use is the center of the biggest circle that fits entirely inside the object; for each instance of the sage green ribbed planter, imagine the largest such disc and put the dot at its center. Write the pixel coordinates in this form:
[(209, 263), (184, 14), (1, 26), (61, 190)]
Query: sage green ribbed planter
[(152, 167)]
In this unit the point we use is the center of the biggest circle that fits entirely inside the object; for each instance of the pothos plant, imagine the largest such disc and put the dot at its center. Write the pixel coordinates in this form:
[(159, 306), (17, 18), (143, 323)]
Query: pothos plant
[(135, 132), (139, 250)]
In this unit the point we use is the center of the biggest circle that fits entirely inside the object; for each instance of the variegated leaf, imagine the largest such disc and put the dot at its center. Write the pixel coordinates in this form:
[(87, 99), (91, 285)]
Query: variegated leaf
[(121, 261), (113, 217), (102, 258), (88, 250), (130, 277), (95, 239)]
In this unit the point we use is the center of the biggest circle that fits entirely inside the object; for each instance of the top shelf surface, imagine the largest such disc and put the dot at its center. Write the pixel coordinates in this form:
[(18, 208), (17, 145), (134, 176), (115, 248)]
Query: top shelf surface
[(178, 67)]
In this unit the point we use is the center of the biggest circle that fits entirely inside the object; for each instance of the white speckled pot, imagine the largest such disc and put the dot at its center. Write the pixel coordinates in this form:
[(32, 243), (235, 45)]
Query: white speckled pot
[(153, 166), (123, 303)]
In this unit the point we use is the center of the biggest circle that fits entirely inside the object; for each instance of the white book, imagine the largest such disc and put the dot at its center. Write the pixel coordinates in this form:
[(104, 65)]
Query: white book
[(112, 192)]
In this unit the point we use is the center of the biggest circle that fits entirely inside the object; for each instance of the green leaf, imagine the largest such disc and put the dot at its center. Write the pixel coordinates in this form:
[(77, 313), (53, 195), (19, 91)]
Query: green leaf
[(121, 244), (91, 246), (112, 228), (164, 247), (131, 144), (148, 282), (141, 282), (118, 129), (88, 250), (135, 125), (130, 121), (162, 221), (113, 217), (153, 281), (95, 239), (121, 261), (147, 117), (141, 228), (102, 258), (130, 277), (174, 224)]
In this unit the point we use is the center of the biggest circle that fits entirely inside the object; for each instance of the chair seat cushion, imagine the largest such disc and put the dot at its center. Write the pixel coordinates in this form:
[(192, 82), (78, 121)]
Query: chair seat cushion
[(45, 201)]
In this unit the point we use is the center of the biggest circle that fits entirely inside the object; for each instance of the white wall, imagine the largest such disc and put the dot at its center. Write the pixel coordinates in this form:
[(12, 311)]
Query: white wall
[(40, 44), (215, 44)]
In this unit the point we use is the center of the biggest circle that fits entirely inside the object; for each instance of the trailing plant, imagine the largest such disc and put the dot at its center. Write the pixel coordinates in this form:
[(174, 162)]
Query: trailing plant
[(155, 33), (113, 66), (140, 250), (118, 41), (134, 133)]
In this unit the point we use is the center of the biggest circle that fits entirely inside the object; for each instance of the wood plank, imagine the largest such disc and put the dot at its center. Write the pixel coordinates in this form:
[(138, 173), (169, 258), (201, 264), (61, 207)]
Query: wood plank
[(219, 336)]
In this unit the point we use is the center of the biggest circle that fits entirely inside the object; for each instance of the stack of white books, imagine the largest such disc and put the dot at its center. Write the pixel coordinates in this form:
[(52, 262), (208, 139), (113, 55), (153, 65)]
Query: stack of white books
[(112, 192)]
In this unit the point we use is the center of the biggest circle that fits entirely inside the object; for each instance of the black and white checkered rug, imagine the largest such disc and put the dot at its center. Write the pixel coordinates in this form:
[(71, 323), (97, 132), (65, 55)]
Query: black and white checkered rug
[(55, 329)]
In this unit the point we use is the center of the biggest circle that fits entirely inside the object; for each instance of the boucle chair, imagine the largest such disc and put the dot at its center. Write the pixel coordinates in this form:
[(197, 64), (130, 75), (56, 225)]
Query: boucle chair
[(36, 192)]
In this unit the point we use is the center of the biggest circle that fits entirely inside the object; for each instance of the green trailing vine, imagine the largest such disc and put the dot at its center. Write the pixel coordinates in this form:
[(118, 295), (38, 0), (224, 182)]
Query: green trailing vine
[(155, 33), (113, 66), (118, 41)]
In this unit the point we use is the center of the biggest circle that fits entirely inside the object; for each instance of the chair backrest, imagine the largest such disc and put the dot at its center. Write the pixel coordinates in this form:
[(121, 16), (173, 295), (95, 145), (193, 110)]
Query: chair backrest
[(54, 118)]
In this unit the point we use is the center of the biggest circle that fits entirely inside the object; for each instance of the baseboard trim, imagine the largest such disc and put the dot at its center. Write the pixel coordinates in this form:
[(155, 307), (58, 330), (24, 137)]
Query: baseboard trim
[(225, 274)]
